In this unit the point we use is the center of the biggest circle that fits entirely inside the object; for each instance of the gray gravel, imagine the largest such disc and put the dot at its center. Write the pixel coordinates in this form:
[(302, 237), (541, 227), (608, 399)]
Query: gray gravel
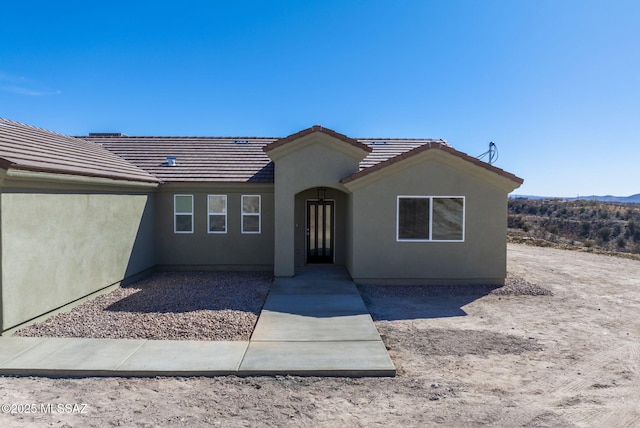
[(514, 286), (518, 286), (167, 306), (209, 306)]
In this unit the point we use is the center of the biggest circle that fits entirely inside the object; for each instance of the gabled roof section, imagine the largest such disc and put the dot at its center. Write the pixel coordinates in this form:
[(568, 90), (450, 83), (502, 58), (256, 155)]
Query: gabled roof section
[(423, 148), (197, 159), (317, 128), (386, 148), (27, 148), (224, 159)]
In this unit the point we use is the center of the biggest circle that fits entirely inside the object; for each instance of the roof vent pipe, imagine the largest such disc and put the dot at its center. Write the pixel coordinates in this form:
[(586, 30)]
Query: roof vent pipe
[(171, 161)]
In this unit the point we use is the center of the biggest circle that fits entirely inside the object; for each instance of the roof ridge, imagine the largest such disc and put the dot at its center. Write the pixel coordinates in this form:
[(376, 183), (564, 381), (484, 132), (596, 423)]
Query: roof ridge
[(197, 137), (33, 127), (432, 140), (318, 128)]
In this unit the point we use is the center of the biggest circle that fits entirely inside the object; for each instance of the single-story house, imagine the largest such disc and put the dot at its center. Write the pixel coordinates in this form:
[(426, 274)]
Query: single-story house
[(80, 215)]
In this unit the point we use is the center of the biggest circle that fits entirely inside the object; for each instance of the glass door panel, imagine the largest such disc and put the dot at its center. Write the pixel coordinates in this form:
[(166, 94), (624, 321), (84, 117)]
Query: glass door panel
[(320, 218)]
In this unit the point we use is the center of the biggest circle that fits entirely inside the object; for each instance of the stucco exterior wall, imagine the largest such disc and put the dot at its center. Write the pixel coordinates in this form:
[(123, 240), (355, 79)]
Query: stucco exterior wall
[(203, 250), (319, 161), (61, 246), (378, 257)]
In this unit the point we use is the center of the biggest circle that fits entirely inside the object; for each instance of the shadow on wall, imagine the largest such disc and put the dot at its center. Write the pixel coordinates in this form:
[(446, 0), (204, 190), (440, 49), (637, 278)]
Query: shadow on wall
[(265, 175), (143, 253), (399, 302)]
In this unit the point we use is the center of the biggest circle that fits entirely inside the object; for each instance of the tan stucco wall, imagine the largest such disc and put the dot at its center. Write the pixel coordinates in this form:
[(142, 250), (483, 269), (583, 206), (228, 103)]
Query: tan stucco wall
[(60, 246), (376, 255), (317, 161), (200, 249)]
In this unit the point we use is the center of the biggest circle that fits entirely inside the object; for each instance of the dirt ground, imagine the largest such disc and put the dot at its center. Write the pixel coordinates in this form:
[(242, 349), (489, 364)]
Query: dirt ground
[(571, 359)]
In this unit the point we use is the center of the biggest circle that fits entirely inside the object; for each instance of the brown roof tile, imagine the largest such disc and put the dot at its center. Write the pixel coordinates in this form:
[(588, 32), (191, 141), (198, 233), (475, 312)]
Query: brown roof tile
[(198, 159), (244, 159), (29, 148), (224, 159), (317, 128), (386, 148), (422, 148)]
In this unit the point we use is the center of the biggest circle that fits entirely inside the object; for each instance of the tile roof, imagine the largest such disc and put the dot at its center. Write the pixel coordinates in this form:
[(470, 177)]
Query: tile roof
[(317, 128), (198, 159), (384, 149), (28, 148), (224, 159), (430, 146), (245, 159)]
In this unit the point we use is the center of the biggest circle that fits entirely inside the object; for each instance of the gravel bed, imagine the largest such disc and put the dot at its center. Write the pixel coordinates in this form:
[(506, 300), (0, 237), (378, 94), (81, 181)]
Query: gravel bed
[(514, 286), (167, 306), (211, 306)]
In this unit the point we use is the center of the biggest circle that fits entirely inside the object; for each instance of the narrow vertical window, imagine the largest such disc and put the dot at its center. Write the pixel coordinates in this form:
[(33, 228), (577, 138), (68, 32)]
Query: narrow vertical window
[(448, 216), (413, 218), (183, 213), (251, 214), (217, 209)]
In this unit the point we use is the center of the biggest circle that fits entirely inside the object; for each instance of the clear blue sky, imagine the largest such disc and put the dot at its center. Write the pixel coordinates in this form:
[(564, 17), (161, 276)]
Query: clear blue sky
[(555, 83)]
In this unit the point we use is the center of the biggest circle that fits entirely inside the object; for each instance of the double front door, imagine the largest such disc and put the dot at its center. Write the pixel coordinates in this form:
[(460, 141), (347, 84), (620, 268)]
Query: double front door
[(320, 231)]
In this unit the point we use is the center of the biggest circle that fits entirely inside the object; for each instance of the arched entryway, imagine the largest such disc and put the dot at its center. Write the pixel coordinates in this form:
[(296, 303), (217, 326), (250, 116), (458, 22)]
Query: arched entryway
[(320, 226)]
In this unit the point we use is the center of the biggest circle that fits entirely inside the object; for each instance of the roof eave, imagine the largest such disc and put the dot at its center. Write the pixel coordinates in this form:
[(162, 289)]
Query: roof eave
[(56, 175), (6, 164)]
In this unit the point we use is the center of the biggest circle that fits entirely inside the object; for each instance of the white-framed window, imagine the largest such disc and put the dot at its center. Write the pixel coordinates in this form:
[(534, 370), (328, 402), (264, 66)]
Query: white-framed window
[(430, 218), (217, 213), (183, 213), (251, 213)]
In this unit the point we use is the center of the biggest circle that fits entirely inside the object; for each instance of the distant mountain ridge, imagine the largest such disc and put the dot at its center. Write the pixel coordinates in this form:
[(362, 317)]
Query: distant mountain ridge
[(633, 199)]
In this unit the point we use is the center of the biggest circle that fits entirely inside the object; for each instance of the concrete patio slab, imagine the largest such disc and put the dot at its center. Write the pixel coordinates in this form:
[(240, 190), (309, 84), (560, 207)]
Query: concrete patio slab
[(341, 358), (322, 271), (316, 305), (310, 325), (72, 356), (185, 357), (12, 347), (280, 326), (284, 286), (316, 324), (118, 357)]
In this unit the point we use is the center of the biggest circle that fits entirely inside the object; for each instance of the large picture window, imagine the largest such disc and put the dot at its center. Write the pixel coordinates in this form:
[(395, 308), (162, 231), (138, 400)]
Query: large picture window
[(251, 213), (183, 213), (430, 218), (217, 213)]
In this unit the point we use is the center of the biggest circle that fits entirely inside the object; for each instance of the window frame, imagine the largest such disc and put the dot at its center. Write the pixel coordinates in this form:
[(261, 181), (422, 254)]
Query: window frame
[(210, 214), (258, 214), (176, 214), (431, 198)]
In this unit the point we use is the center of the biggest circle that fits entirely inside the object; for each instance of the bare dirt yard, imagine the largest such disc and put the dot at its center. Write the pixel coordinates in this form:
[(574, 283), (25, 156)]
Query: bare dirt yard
[(571, 359)]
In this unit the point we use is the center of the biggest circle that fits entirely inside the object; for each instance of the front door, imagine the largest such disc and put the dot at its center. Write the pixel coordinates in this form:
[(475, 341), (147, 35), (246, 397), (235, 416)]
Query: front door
[(320, 239)]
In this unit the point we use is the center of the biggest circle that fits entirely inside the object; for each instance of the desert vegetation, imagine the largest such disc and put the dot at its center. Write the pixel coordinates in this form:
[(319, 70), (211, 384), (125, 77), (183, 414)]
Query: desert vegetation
[(581, 224)]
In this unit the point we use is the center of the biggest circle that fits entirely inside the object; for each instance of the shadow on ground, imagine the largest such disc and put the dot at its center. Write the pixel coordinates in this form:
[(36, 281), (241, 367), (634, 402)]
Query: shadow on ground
[(180, 292), (397, 302)]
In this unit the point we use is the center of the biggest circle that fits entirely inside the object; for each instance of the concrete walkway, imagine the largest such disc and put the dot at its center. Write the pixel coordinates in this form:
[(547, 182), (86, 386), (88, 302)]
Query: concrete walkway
[(313, 324)]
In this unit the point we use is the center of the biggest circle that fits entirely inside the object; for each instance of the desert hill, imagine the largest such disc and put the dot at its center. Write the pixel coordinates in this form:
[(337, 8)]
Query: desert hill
[(607, 226)]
